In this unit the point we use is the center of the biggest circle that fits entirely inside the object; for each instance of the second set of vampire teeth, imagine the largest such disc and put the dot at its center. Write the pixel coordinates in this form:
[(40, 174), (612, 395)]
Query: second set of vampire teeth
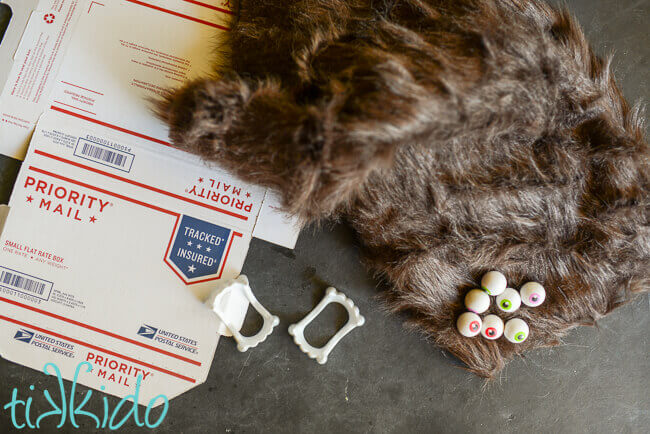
[(240, 286)]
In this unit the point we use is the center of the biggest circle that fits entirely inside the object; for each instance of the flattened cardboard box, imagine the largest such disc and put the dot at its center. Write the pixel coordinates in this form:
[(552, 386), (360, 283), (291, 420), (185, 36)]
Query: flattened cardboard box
[(101, 62), (113, 236), (105, 278)]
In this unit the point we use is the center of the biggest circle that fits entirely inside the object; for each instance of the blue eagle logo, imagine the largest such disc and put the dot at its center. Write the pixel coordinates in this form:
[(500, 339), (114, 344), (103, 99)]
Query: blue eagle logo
[(23, 335), (147, 331)]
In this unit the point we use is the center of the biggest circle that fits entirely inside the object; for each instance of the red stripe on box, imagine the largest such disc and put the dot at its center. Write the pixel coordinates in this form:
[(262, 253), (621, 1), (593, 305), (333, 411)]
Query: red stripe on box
[(111, 126), (101, 190), (139, 184), (187, 17), (98, 330), (84, 88), (77, 108), (95, 347), (214, 8)]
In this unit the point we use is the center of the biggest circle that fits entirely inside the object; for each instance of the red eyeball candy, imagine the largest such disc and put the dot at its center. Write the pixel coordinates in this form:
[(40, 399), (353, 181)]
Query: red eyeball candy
[(469, 324), (492, 327)]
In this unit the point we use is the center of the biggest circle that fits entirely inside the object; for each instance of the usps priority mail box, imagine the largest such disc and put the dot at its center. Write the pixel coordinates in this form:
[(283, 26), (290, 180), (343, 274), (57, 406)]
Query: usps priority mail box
[(114, 237), (108, 249), (103, 62)]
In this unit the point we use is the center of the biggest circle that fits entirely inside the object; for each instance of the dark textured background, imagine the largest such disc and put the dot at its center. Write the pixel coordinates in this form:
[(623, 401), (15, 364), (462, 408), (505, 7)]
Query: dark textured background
[(382, 379)]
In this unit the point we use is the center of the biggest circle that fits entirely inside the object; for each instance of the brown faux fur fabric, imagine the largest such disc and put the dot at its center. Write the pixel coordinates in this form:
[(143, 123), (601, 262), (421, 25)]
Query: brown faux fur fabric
[(455, 136)]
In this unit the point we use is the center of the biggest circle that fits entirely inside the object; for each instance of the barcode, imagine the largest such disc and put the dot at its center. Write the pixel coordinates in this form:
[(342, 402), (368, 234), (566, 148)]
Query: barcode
[(102, 154), (21, 282), (105, 155)]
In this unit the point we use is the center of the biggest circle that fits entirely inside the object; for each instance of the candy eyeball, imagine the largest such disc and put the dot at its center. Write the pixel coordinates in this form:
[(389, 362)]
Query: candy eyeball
[(516, 330), (494, 282), (477, 300), (469, 324), (492, 327), (509, 300), (532, 294)]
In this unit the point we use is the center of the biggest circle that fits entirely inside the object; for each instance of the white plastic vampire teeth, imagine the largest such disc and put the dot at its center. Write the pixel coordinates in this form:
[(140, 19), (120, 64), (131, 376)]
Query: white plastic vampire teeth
[(516, 330), (227, 292), (509, 300), (477, 300), (492, 327), (494, 282), (469, 324), (532, 294), (355, 320)]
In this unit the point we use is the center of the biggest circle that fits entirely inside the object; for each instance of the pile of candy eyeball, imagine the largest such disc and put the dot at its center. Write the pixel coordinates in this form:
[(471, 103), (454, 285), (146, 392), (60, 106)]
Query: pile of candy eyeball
[(491, 327)]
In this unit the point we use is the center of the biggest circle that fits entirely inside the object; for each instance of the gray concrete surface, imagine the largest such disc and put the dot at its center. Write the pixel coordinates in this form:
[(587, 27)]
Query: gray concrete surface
[(382, 379)]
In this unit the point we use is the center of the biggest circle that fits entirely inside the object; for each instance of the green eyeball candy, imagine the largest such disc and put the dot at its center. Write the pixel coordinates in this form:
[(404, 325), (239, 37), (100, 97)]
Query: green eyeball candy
[(516, 330), (509, 300)]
